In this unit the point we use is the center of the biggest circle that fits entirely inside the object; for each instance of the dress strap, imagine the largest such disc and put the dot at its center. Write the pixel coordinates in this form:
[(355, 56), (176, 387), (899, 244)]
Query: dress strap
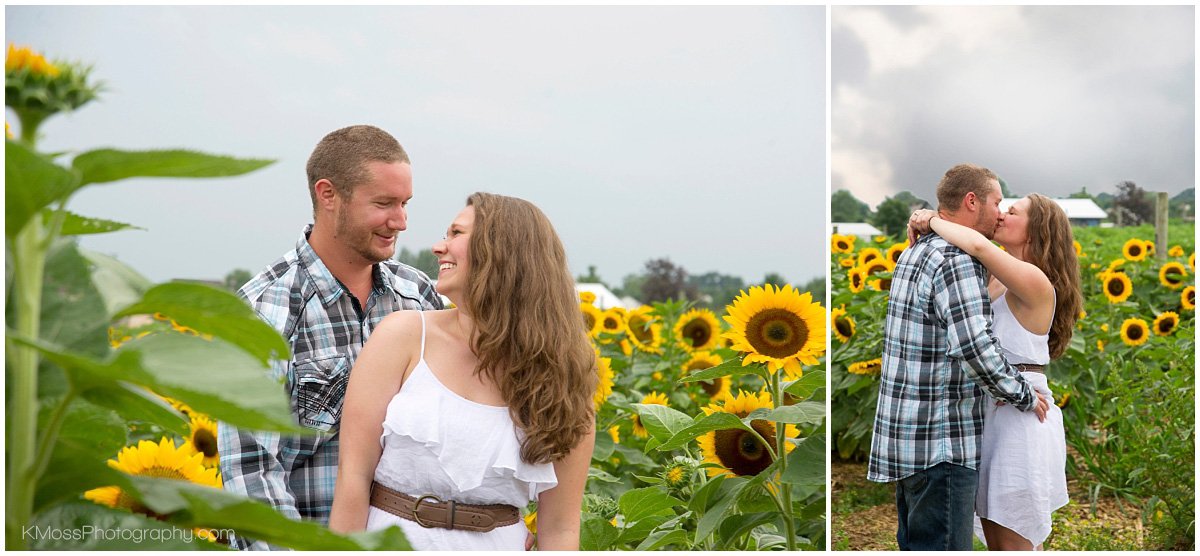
[(422, 314)]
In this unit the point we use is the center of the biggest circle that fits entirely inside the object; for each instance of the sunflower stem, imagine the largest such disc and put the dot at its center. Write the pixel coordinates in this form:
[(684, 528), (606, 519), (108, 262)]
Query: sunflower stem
[(785, 489), (29, 266), (50, 435)]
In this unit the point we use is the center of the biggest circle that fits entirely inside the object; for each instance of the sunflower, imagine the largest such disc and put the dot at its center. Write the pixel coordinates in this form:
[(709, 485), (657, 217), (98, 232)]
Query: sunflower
[(858, 280), (1134, 249), (1192, 261), (615, 432), (880, 239), (780, 327), (868, 254), (881, 284), (737, 452), (868, 367), (1099, 345), (1149, 246), (1187, 298), (1175, 251), (1078, 248), (605, 385), (893, 252), (698, 330), (677, 473), (612, 321), (25, 58), (1134, 332), (847, 262), (652, 398), (531, 522), (701, 360), (591, 319), (839, 243), (645, 330), (1172, 275), (587, 297), (843, 324), (203, 439), (1165, 323), (1117, 287), (163, 460), (875, 266)]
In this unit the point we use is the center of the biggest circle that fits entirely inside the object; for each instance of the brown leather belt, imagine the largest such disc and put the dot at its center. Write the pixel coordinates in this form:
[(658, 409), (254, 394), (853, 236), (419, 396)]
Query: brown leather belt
[(1029, 368), (430, 511)]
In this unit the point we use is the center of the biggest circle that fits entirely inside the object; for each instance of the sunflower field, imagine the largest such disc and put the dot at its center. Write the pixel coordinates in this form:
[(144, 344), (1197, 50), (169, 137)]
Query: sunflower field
[(709, 437), (1126, 384)]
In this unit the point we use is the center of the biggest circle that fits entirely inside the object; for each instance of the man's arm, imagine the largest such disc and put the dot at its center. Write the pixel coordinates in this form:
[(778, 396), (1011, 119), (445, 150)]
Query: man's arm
[(961, 301), (251, 466)]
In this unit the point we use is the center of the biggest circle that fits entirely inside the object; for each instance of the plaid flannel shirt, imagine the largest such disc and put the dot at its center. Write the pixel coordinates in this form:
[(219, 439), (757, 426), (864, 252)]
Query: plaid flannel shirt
[(938, 351), (321, 320)]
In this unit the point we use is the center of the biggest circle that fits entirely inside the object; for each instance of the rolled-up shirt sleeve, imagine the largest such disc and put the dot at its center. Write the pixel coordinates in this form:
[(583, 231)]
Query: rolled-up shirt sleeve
[(961, 302)]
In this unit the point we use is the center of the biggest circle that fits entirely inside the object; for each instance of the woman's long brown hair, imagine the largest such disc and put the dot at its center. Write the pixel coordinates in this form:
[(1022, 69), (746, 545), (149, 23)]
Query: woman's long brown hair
[(529, 335), (1052, 249)]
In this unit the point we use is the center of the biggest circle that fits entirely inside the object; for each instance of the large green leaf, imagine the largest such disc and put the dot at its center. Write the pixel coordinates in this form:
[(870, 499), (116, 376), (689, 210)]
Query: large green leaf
[(213, 377), (806, 464), (666, 534), (734, 526), (214, 311), (716, 421), (596, 533), (808, 385), (701, 498), (638, 503), (192, 505), (73, 311), (118, 283), (636, 531), (75, 225), (89, 435), (661, 421), (31, 183), (136, 404), (723, 501), (730, 368), (88, 526), (105, 165)]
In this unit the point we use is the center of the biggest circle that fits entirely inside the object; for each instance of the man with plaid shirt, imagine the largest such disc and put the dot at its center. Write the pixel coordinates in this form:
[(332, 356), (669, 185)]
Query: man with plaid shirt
[(325, 296), (939, 354)]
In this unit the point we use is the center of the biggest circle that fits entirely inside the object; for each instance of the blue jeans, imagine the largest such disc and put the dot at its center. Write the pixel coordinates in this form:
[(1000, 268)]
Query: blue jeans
[(936, 508)]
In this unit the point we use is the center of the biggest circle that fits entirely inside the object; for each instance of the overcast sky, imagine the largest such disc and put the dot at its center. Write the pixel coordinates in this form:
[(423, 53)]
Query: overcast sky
[(693, 133), (1052, 99)]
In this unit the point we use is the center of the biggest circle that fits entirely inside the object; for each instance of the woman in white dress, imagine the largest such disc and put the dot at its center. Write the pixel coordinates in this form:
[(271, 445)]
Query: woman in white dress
[(1036, 299), (454, 420)]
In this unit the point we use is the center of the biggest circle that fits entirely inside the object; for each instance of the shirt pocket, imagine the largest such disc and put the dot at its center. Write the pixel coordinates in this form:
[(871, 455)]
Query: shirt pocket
[(320, 389)]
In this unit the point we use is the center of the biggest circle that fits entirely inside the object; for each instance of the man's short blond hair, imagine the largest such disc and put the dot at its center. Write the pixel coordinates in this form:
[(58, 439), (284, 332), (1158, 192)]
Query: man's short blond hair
[(342, 156), (960, 180)]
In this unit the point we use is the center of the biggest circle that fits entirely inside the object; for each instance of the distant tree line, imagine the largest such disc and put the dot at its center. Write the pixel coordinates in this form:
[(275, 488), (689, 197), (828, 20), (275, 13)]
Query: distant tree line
[(663, 280)]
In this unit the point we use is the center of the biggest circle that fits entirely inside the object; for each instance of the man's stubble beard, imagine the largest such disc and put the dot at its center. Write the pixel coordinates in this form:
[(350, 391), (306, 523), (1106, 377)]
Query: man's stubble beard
[(358, 242)]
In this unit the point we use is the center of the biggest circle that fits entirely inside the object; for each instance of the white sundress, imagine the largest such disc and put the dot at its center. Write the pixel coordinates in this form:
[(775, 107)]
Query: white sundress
[(437, 442), (1022, 468)]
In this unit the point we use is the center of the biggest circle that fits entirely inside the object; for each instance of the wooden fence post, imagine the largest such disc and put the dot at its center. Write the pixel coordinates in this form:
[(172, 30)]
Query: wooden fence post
[(1160, 226)]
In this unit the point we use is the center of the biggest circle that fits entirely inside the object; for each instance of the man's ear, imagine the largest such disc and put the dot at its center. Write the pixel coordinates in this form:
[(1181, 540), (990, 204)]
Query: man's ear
[(970, 201), (326, 194)]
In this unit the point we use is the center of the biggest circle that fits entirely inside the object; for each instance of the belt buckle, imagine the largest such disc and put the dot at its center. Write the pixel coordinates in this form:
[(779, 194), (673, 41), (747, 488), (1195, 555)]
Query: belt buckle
[(417, 506)]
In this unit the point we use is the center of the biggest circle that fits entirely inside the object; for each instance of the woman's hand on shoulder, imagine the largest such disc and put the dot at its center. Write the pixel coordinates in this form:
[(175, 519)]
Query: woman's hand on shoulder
[(918, 224)]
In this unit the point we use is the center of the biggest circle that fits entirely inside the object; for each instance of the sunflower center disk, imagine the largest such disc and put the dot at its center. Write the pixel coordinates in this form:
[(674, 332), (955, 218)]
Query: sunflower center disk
[(1116, 287), (205, 443), (640, 331), (698, 332), (777, 333), (711, 387), (742, 453)]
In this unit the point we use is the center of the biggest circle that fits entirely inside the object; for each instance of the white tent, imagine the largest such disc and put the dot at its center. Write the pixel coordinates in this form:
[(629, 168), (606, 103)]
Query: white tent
[(1079, 211), (606, 299), (860, 229)]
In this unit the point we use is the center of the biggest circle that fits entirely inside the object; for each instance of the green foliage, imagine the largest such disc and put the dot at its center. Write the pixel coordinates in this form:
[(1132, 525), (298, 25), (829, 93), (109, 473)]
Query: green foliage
[(423, 260), (80, 381), (891, 216), (844, 207)]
